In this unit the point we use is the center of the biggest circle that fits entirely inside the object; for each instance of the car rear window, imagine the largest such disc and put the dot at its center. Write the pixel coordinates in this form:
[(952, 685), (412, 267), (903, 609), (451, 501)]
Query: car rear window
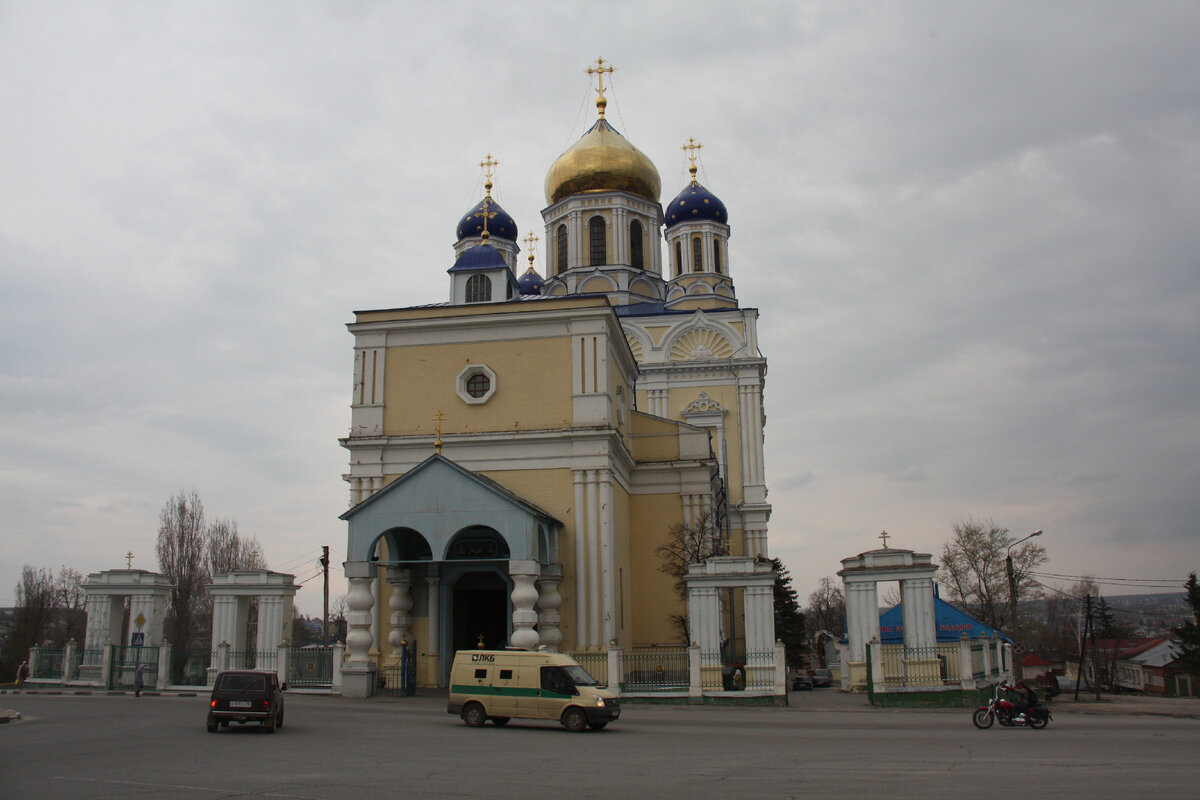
[(243, 683)]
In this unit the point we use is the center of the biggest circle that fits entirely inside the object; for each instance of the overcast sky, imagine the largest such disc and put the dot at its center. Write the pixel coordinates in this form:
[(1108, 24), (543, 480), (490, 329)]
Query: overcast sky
[(971, 230)]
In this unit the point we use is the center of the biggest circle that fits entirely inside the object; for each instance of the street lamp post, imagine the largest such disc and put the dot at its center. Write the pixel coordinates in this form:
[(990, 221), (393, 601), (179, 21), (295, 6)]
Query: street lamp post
[(1018, 669)]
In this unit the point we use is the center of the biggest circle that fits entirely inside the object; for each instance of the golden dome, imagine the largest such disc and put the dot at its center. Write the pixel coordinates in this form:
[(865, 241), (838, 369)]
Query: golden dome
[(602, 161)]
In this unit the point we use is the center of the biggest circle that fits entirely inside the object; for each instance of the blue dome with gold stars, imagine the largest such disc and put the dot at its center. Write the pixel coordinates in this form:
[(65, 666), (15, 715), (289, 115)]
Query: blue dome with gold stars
[(499, 223), (695, 204), (530, 282)]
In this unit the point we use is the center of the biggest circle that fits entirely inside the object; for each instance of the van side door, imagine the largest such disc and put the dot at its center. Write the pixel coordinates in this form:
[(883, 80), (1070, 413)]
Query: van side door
[(555, 692)]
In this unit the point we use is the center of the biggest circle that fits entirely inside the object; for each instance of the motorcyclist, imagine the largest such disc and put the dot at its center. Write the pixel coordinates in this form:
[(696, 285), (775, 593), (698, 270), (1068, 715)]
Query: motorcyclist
[(1026, 698)]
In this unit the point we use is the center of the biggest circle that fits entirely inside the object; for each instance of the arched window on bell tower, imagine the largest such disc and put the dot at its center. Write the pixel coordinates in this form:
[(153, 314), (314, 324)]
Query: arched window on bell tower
[(479, 289), (635, 245), (560, 244), (697, 254), (678, 258), (597, 240), (716, 254)]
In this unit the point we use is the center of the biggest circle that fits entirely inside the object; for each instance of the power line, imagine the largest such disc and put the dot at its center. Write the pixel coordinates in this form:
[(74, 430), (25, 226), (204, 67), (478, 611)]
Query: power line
[(1150, 582)]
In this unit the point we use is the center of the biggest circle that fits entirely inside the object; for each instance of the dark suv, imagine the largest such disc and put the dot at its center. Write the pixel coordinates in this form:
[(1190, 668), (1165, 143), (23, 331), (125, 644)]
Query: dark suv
[(243, 696)]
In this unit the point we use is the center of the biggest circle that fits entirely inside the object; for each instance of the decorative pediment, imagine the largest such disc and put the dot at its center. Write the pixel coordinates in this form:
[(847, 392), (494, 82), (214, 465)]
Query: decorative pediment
[(703, 405), (701, 345)]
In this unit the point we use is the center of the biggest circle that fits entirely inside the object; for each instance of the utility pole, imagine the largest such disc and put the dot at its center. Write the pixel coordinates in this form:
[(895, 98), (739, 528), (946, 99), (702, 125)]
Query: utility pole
[(1018, 667), (325, 607), (1087, 626)]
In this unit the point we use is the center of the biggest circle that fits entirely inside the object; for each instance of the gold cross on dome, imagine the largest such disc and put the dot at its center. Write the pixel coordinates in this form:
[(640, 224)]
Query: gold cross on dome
[(487, 164), (129, 560), (691, 148), (599, 71), (438, 418), (530, 242), (885, 537)]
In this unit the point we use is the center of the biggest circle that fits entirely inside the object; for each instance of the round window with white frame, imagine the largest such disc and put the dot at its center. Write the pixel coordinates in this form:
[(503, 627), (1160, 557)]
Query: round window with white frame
[(476, 384)]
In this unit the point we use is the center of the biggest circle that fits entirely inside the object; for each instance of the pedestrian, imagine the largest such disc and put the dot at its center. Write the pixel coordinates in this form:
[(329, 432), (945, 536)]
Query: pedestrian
[(139, 680), (22, 673)]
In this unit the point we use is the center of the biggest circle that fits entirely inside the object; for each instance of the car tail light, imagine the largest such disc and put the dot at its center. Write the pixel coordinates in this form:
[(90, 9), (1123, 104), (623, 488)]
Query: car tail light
[(214, 703), (266, 703)]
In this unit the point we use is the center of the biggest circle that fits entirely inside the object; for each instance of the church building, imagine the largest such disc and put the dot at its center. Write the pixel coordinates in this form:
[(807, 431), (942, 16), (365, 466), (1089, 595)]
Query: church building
[(519, 452)]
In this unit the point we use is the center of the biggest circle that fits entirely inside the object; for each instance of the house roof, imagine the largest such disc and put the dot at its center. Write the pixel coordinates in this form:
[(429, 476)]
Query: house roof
[(951, 623)]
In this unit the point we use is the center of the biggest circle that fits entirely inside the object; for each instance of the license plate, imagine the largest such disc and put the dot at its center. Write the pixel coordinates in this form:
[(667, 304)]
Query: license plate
[(239, 704)]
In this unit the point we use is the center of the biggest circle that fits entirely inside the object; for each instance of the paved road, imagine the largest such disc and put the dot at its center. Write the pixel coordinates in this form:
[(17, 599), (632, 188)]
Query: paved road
[(156, 747)]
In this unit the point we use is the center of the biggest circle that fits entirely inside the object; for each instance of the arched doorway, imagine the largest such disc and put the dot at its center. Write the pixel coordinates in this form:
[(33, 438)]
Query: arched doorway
[(479, 599), (480, 609)]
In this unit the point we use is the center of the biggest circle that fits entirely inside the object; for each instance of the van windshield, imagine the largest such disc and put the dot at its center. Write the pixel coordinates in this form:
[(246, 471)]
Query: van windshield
[(579, 676)]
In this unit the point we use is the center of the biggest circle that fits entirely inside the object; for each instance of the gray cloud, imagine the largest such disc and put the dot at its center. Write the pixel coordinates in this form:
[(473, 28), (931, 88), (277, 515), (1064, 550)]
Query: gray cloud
[(969, 229)]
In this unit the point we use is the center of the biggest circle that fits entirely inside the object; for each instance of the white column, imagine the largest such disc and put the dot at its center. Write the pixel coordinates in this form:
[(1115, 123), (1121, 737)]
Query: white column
[(593, 547), (581, 603), (524, 596), (862, 616), (270, 623), (549, 602), (359, 600), (433, 585), (224, 623), (401, 603), (916, 597), (98, 609), (608, 569)]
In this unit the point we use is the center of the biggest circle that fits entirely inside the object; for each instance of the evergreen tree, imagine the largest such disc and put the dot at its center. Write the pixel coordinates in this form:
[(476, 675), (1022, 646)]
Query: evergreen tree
[(789, 620), (1189, 632)]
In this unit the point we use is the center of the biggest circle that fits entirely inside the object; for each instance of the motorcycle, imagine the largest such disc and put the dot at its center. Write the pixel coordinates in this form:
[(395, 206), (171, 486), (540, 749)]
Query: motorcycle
[(1004, 711)]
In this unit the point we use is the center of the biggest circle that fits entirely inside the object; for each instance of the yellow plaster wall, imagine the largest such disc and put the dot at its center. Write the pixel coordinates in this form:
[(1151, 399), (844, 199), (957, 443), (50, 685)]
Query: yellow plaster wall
[(423, 379), (654, 438), (652, 597), (622, 525)]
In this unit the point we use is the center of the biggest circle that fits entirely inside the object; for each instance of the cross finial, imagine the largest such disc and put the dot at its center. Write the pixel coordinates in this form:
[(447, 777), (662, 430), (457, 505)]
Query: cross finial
[(129, 560), (599, 71), (885, 536), (438, 418), (530, 242), (487, 164), (691, 148)]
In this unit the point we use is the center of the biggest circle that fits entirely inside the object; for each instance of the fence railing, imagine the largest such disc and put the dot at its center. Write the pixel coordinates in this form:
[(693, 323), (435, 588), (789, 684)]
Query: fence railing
[(913, 666), (595, 662), (191, 668), (49, 664), (654, 669), (254, 659)]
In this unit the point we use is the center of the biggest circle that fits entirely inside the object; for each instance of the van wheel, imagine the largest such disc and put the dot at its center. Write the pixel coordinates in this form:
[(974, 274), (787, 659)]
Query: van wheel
[(574, 720), (500, 721), (597, 726), (474, 715), (212, 724)]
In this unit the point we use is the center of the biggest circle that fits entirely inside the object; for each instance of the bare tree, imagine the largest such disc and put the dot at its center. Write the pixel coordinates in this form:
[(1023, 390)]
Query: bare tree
[(72, 601), (685, 545), (182, 558), (973, 569), (228, 550), (32, 617), (826, 612)]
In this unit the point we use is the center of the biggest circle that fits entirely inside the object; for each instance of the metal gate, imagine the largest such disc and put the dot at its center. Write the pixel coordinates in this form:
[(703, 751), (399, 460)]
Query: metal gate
[(310, 667), (400, 680), (125, 662)]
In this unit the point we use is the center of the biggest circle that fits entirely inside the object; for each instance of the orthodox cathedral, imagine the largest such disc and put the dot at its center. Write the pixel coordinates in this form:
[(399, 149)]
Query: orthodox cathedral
[(519, 453)]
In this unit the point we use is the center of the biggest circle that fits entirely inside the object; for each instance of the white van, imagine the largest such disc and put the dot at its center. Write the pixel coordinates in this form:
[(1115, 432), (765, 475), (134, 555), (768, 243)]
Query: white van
[(502, 684)]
